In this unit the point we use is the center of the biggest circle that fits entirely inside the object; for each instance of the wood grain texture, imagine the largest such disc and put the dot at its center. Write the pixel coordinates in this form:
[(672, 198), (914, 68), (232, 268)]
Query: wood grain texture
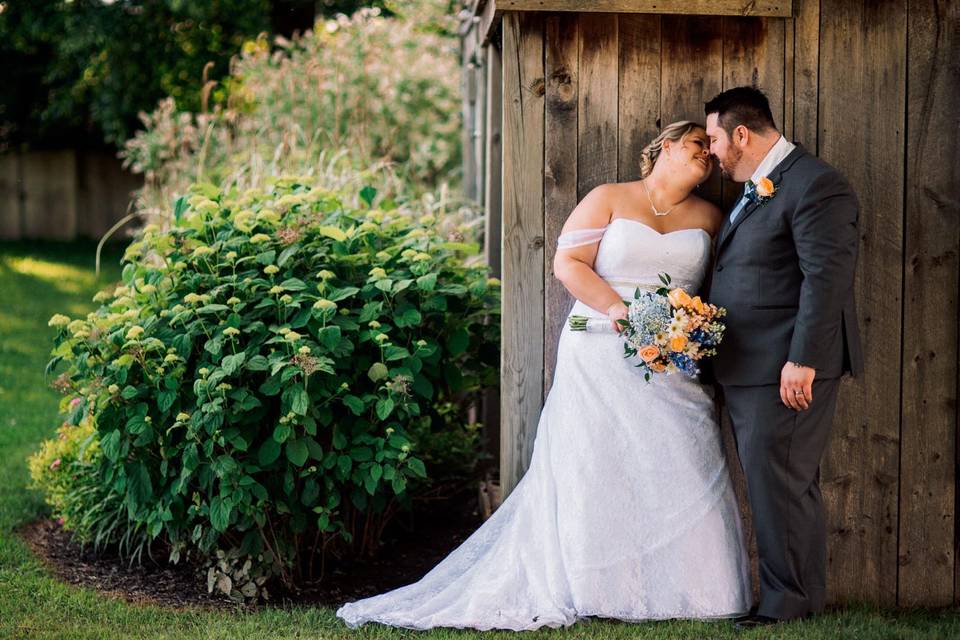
[(639, 107), (597, 102), (560, 170), (932, 245), (493, 159), (753, 55), (10, 205), (691, 74), (861, 122), (522, 305), (50, 194), (776, 8), (104, 193), (806, 73)]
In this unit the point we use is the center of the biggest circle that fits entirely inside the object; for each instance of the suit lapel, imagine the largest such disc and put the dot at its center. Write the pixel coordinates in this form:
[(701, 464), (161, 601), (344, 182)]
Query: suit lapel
[(775, 176)]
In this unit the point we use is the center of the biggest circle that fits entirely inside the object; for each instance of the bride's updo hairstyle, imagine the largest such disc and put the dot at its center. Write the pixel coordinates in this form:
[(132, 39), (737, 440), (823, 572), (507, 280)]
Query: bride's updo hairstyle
[(673, 132)]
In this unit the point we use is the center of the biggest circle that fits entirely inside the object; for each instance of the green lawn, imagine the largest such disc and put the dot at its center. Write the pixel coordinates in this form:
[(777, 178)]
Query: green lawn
[(38, 280)]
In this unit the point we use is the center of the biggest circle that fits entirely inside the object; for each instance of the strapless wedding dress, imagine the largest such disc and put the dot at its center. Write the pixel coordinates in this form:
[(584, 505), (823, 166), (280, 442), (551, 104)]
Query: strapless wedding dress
[(627, 510)]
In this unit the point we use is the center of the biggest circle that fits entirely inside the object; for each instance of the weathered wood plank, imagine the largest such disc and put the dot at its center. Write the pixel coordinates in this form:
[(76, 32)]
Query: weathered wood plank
[(773, 8), (469, 72), (639, 92), (492, 208), (932, 246), (560, 170), (50, 194), (597, 102), (104, 192), (806, 70), (522, 304), (10, 206), (753, 55), (862, 106), (691, 63)]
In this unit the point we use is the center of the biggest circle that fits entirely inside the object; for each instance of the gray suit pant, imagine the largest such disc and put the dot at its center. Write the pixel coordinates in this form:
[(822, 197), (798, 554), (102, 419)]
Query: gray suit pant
[(780, 451)]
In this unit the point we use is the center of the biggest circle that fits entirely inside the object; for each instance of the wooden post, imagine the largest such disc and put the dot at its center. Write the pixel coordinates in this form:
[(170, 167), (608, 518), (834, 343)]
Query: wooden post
[(50, 194), (522, 308), (11, 204)]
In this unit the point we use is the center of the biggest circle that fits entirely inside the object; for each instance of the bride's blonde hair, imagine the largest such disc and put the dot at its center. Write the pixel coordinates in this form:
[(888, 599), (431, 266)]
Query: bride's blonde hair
[(673, 132)]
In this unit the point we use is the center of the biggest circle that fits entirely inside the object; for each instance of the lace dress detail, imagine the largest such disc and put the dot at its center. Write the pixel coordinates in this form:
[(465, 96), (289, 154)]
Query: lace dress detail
[(627, 510)]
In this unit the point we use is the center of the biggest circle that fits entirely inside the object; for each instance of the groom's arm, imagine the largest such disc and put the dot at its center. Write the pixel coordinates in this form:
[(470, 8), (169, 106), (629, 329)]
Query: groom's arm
[(824, 228)]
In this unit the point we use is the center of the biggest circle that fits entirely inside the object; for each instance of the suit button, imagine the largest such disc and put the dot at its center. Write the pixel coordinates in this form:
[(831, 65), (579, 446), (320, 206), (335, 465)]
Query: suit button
[(719, 267)]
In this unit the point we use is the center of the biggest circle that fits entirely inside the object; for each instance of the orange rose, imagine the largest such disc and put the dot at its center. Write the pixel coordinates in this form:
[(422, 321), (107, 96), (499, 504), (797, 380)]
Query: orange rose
[(765, 187), (658, 367), (678, 297), (649, 353), (678, 343), (698, 305)]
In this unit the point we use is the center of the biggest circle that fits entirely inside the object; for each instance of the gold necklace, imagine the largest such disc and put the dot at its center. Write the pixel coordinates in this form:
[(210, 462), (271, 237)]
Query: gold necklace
[(653, 207)]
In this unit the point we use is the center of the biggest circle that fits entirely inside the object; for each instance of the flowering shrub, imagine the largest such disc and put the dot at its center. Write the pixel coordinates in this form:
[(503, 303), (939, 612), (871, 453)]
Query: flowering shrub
[(266, 376), (352, 93)]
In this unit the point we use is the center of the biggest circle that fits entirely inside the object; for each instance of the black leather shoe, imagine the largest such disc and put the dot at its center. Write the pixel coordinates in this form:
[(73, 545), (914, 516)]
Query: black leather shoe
[(749, 614), (754, 621)]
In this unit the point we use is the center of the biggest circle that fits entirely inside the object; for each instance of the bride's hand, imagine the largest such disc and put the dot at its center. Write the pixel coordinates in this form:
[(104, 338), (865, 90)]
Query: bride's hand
[(617, 311)]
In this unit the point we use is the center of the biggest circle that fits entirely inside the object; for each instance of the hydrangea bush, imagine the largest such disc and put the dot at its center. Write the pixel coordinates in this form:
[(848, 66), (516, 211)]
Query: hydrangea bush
[(272, 371)]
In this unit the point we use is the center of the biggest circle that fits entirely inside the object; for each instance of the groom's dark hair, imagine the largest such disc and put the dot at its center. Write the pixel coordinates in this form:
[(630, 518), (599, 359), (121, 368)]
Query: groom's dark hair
[(741, 105)]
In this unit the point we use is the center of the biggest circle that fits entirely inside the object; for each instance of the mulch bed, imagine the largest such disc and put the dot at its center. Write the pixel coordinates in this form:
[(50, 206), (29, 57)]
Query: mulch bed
[(417, 542)]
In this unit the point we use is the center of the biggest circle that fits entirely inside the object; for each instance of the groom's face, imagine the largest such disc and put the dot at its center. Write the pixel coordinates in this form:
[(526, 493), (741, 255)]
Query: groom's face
[(727, 152)]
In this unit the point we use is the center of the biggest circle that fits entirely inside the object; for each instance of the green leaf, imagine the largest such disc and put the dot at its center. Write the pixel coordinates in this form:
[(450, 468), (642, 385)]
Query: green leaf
[(129, 393), (384, 407), (110, 445), (286, 254), (427, 282), (345, 462), (394, 352), (300, 401), (329, 336), (139, 487), (378, 371), (408, 317), (370, 484), (399, 484), (282, 432), (258, 363), (293, 284), (335, 295), (367, 194), (220, 513), (422, 386), (376, 471), (230, 364), (416, 464), (297, 452), (179, 206), (269, 452), (458, 341), (361, 454), (333, 232), (354, 403)]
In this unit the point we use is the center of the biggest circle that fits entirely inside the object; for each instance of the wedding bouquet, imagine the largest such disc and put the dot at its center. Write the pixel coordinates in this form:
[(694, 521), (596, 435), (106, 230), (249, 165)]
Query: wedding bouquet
[(666, 329)]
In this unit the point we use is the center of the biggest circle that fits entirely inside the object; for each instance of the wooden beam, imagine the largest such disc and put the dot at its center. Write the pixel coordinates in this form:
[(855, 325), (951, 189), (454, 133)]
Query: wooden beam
[(767, 8), (521, 360)]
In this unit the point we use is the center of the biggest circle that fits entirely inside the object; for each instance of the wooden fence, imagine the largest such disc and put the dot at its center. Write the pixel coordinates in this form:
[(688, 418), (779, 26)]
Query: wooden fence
[(62, 195)]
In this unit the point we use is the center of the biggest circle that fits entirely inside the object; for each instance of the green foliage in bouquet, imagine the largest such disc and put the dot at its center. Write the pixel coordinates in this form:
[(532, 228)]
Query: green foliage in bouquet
[(272, 366)]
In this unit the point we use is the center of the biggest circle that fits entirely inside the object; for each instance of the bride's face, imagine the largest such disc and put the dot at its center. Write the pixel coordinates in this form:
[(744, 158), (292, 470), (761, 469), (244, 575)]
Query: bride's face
[(691, 154)]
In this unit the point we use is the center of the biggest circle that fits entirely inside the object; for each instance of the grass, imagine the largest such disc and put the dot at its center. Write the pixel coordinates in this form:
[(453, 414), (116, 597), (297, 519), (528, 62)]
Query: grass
[(38, 280)]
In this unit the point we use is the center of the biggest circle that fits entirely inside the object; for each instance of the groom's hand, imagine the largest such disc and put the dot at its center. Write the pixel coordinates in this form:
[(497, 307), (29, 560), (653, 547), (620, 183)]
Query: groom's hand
[(796, 386)]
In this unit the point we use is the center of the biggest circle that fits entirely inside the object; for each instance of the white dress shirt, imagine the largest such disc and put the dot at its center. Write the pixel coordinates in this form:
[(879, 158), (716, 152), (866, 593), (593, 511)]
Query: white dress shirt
[(780, 150)]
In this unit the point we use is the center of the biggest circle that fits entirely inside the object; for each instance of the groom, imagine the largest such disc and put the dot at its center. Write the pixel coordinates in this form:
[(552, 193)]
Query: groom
[(784, 269)]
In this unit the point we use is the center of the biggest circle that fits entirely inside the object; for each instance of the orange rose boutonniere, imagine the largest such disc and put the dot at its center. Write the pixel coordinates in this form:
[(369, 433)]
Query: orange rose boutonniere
[(763, 190)]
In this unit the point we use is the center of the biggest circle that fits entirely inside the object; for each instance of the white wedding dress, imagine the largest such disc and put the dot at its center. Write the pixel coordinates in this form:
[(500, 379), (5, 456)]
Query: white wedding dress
[(627, 510)]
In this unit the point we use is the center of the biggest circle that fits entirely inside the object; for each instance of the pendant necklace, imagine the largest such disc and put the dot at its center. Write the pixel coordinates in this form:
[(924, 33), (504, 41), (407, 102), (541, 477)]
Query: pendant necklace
[(653, 207)]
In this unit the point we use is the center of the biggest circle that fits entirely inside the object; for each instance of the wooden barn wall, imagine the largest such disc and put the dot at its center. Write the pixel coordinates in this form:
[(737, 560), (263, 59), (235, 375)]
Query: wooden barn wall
[(868, 86)]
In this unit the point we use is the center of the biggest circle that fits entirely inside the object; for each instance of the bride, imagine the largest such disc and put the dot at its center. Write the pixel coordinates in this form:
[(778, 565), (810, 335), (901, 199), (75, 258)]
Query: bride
[(627, 510)]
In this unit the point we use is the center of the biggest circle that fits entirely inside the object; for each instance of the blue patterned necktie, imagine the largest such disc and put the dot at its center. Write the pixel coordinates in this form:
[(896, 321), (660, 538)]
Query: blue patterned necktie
[(749, 195)]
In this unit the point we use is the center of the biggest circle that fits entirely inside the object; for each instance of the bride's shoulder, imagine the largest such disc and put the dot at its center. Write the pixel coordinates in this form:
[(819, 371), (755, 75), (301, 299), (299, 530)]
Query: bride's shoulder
[(708, 215)]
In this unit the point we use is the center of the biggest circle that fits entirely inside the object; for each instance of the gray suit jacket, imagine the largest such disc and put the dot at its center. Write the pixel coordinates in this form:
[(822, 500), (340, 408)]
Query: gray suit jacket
[(784, 270)]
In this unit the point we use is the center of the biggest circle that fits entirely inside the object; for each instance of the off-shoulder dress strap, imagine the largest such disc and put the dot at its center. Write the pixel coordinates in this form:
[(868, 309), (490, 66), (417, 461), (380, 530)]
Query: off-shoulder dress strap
[(579, 237)]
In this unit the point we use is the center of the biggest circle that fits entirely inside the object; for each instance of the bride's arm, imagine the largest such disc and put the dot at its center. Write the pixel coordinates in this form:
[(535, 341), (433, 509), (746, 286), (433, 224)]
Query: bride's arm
[(573, 266)]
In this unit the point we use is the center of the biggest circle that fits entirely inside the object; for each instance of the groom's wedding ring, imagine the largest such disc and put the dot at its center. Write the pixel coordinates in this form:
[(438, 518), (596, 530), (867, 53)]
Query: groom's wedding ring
[(797, 392)]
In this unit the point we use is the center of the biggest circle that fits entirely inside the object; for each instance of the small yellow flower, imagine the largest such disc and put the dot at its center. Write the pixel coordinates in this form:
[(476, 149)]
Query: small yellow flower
[(233, 300), (171, 357), (382, 255), (304, 350), (260, 237), (420, 257), (408, 253), (292, 336), (325, 305), (201, 251), (276, 289), (58, 320), (428, 219), (382, 337), (244, 220), (183, 417), (493, 282), (231, 331), (378, 272), (678, 343), (148, 289), (113, 389), (101, 296), (231, 255), (326, 275), (147, 419), (268, 216), (192, 298), (224, 386), (134, 332), (373, 324), (286, 298), (203, 371), (271, 269)]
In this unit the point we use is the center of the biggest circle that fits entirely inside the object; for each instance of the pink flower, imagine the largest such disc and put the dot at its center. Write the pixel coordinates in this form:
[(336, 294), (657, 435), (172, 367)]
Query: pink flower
[(75, 402), (55, 464)]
